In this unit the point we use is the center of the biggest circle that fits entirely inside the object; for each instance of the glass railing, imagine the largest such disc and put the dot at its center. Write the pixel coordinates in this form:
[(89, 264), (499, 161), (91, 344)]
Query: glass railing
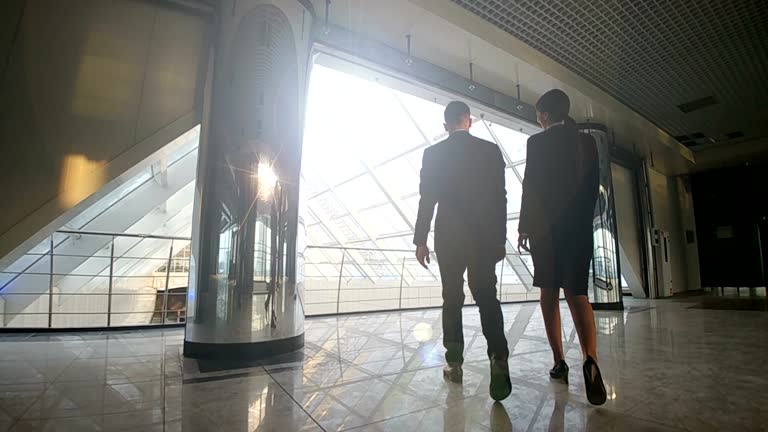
[(92, 279), (346, 280), (82, 279)]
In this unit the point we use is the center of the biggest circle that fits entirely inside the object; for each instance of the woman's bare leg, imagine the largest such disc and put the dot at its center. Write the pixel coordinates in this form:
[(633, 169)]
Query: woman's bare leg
[(584, 320), (550, 310)]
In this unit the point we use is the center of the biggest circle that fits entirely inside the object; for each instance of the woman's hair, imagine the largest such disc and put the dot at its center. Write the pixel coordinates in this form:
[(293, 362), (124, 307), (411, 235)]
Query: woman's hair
[(555, 103)]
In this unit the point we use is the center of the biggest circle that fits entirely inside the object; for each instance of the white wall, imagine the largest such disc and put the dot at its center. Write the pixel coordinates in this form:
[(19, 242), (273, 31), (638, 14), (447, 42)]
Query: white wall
[(673, 212)]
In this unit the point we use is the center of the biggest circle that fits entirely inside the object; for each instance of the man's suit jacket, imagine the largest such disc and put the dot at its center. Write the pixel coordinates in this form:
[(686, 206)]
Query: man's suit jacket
[(561, 182), (464, 176)]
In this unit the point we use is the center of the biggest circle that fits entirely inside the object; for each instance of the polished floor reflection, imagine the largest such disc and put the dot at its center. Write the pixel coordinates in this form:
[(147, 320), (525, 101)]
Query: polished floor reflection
[(668, 365)]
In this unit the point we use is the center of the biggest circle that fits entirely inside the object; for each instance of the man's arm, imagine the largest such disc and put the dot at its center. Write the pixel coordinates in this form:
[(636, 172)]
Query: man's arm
[(428, 200), (500, 197)]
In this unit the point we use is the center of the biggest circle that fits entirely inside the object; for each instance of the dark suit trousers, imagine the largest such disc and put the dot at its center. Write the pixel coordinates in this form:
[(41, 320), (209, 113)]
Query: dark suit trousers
[(454, 257)]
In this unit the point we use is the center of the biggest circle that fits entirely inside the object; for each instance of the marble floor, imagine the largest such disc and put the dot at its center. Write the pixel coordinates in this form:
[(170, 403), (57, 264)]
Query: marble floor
[(668, 366)]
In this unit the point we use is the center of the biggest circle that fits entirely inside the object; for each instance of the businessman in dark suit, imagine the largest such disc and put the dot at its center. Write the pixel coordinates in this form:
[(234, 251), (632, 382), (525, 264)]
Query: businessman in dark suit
[(464, 177), (560, 189)]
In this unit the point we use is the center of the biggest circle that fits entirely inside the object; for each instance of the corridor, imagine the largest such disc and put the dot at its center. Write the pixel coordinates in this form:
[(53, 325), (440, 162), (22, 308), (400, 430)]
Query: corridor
[(668, 365)]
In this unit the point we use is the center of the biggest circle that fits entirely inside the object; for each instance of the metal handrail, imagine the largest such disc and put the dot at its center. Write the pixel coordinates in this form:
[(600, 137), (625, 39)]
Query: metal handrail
[(130, 235), (346, 248), (166, 263)]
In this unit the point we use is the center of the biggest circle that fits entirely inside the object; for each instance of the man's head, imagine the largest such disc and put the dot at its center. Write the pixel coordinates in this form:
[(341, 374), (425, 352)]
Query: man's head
[(552, 107), (457, 117)]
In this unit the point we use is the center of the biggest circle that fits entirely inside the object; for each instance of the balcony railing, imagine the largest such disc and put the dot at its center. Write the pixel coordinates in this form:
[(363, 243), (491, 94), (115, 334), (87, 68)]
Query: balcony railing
[(348, 279), (82, 279), (91, 279)]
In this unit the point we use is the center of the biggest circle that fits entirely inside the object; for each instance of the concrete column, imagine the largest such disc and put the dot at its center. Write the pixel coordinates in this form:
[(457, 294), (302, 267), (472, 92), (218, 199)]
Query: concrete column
[(244, 300)]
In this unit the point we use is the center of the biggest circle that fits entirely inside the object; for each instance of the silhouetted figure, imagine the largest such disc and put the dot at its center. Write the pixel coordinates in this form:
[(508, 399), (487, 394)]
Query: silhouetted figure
[(560, 188), (464, 177)]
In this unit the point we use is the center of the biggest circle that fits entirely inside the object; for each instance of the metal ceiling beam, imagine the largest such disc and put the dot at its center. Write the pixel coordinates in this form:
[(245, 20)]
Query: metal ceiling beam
[(390, 61)]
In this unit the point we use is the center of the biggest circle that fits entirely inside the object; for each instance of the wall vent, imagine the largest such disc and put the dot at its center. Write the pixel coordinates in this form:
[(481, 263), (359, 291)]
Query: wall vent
[(692, 139), (684, 139), (697, 104)]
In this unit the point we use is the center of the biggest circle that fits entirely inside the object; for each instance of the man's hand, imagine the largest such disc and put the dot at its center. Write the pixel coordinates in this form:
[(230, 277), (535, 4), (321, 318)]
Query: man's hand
[(422, 255), (522, 243)]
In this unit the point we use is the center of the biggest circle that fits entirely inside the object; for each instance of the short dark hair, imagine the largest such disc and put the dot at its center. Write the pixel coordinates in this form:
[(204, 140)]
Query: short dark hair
[(555, 103), (454, 112)]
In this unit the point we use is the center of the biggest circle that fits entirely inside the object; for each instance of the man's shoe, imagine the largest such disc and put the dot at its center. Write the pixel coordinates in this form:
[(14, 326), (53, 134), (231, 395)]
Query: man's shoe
[(452, 372), (560, 371), (501, 385), (593, 381)]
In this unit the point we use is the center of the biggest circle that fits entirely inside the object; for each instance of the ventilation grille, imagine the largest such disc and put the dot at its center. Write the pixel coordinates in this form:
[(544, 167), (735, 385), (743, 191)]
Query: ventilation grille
[(692, 139), (697, 104)]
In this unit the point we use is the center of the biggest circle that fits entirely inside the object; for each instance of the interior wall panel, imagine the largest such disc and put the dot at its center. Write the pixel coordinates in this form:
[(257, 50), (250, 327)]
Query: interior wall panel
[(172, 74), (86, 81), (689, 237), (10, 13), (668, 216)]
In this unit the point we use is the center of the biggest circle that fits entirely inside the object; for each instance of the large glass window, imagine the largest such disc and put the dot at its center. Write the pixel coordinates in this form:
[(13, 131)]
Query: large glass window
[(363, 146)]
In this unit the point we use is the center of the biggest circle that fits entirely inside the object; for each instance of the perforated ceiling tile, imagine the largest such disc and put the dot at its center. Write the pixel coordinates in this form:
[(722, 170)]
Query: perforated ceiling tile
[(654, 55)]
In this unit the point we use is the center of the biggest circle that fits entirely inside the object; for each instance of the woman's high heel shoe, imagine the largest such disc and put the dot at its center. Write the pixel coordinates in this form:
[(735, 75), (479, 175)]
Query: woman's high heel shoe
[(560, 371), (593, 381)]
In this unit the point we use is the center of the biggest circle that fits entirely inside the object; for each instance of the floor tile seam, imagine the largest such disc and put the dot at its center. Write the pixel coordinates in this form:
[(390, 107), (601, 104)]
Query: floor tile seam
[(383, 363), (398, 386), (105, 383), (224, 377), (435, 322), (295, 401), (106, 380), (46, 386), (179, 355), (338, 358), (65, 414), (326, 389), (367, 377), (515, 381), (402, 372), (317, 387), (222, 371), (335, 402), (391, 418), (145, 404), (416, 369), (536, 414), (101, 417), (119, 356), (387, 342), (474, 364), (341, 353)]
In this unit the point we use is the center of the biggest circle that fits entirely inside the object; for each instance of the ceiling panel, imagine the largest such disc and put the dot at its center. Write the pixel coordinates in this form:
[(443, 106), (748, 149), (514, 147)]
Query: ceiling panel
[(660, 58)]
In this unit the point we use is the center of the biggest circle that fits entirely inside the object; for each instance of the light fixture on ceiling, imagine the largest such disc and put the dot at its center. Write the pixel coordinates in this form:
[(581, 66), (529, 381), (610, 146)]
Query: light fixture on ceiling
[(327, 28), (471, 86), (409, 59), (698, 104)]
